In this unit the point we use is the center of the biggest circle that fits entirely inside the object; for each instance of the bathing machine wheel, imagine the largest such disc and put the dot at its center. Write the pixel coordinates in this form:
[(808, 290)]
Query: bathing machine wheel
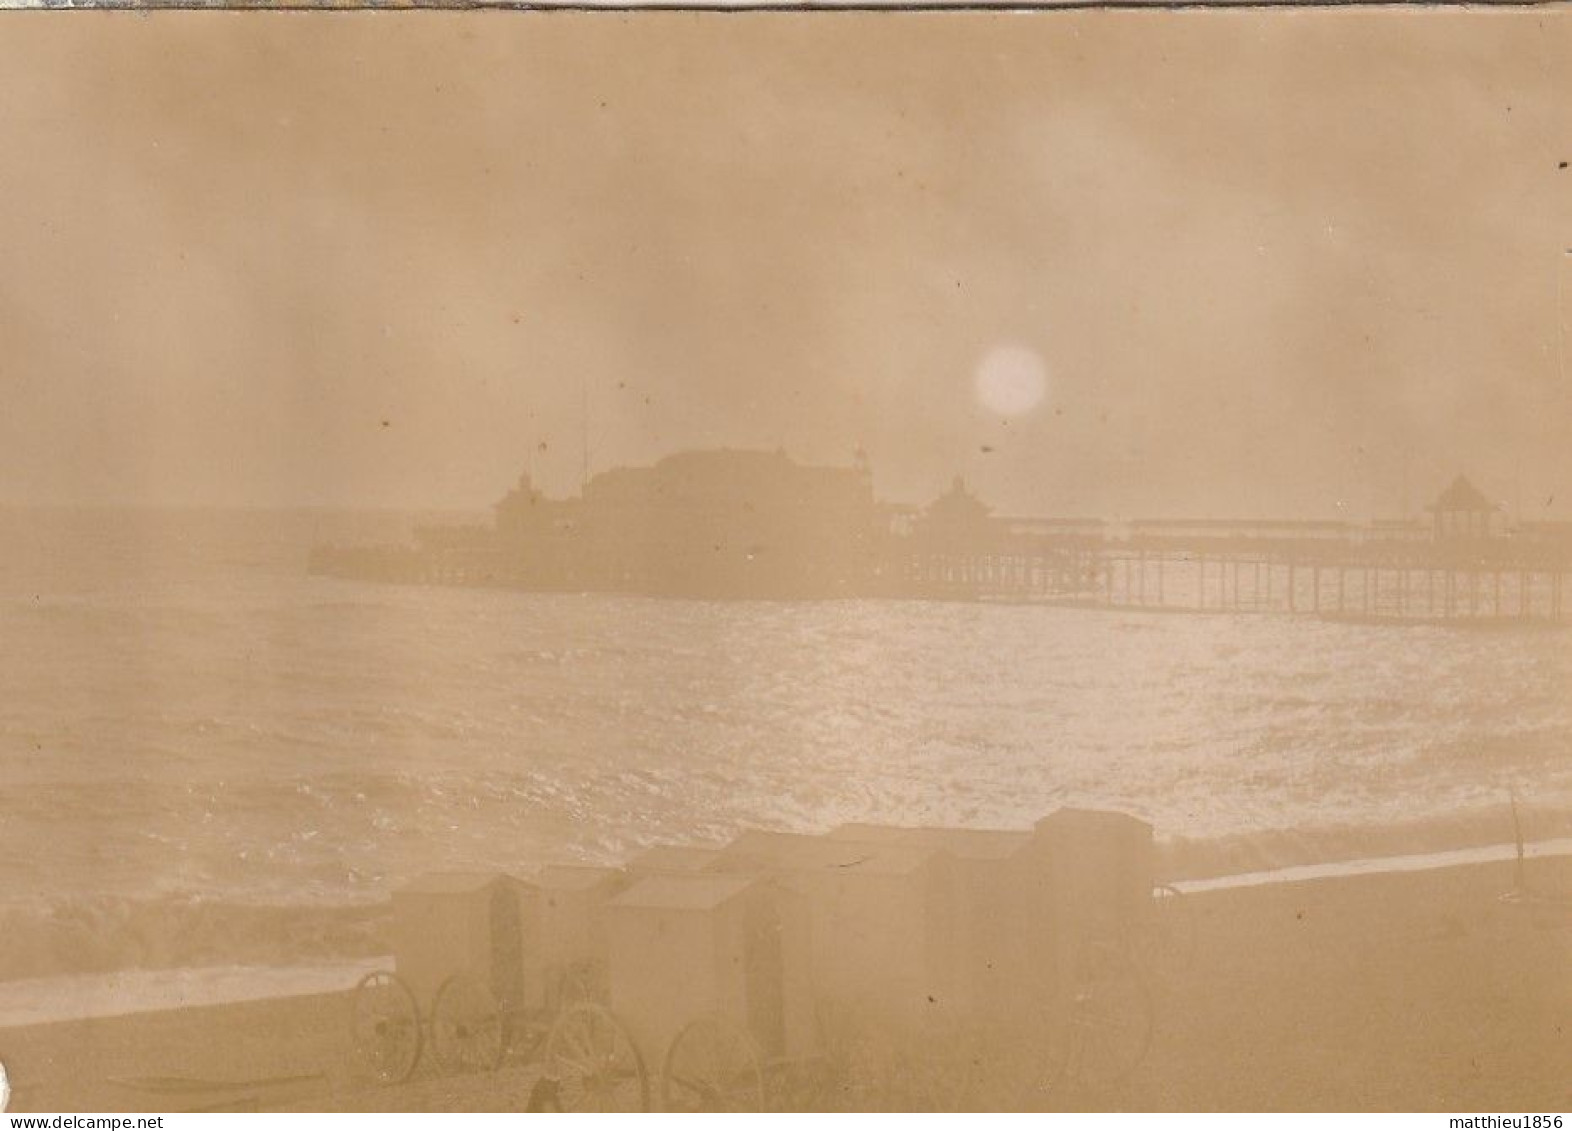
[(467, 1031), (593, 1062), (712, 1065), (1107, 1028), (385, 1028)]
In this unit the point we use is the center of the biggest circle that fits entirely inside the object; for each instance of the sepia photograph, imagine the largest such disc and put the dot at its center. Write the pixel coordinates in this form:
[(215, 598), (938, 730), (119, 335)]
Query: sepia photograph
[(769, 561)]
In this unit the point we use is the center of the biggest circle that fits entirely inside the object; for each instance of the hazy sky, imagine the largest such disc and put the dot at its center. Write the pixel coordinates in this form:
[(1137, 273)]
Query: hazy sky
[(1253, 262)]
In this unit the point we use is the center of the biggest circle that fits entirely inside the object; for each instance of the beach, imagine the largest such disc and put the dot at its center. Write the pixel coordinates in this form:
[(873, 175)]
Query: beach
[(1384, 991)]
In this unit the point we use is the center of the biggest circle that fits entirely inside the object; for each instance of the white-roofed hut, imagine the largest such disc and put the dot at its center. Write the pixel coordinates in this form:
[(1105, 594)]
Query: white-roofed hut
[(882, 919), (710, 974)]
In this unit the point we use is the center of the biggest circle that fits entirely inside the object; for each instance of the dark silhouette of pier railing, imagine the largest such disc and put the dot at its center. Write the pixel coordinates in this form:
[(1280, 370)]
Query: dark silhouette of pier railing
[(739, 525), (1327, 569), (1354, 575), (1463, 564)]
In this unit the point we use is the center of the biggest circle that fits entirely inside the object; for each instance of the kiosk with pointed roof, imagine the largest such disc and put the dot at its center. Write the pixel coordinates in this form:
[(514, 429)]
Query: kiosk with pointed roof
[(1462, 511)]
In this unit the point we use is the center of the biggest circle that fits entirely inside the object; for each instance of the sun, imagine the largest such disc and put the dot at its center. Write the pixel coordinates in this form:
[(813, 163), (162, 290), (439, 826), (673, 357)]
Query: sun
[(1011, 380)]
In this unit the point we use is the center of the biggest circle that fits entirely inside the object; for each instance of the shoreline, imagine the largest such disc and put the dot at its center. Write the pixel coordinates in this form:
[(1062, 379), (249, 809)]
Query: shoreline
[(130, 993), (103, 995), (1394, 990)]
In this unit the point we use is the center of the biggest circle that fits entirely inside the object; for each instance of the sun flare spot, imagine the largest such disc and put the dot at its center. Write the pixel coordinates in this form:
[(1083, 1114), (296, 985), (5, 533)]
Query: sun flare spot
[(1011, 380)]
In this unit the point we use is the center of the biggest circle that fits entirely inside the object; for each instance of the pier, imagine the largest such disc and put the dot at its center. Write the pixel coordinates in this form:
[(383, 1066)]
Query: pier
[(721, 525), (1465, 565), (1346, 578)]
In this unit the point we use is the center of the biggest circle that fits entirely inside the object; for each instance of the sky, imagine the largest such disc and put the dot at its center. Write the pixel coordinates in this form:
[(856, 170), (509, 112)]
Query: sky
[(1116, 264)]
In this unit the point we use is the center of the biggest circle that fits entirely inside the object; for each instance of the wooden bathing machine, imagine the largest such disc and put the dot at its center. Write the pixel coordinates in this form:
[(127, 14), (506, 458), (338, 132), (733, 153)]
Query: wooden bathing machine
[(573, 913), (1025, 903), (485, 925), (1095, 874), (881, 917), (995, 891), (686, 947)]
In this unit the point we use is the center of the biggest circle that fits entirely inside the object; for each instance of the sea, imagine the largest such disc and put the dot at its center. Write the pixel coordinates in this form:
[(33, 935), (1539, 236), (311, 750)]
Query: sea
[(209, 756)]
